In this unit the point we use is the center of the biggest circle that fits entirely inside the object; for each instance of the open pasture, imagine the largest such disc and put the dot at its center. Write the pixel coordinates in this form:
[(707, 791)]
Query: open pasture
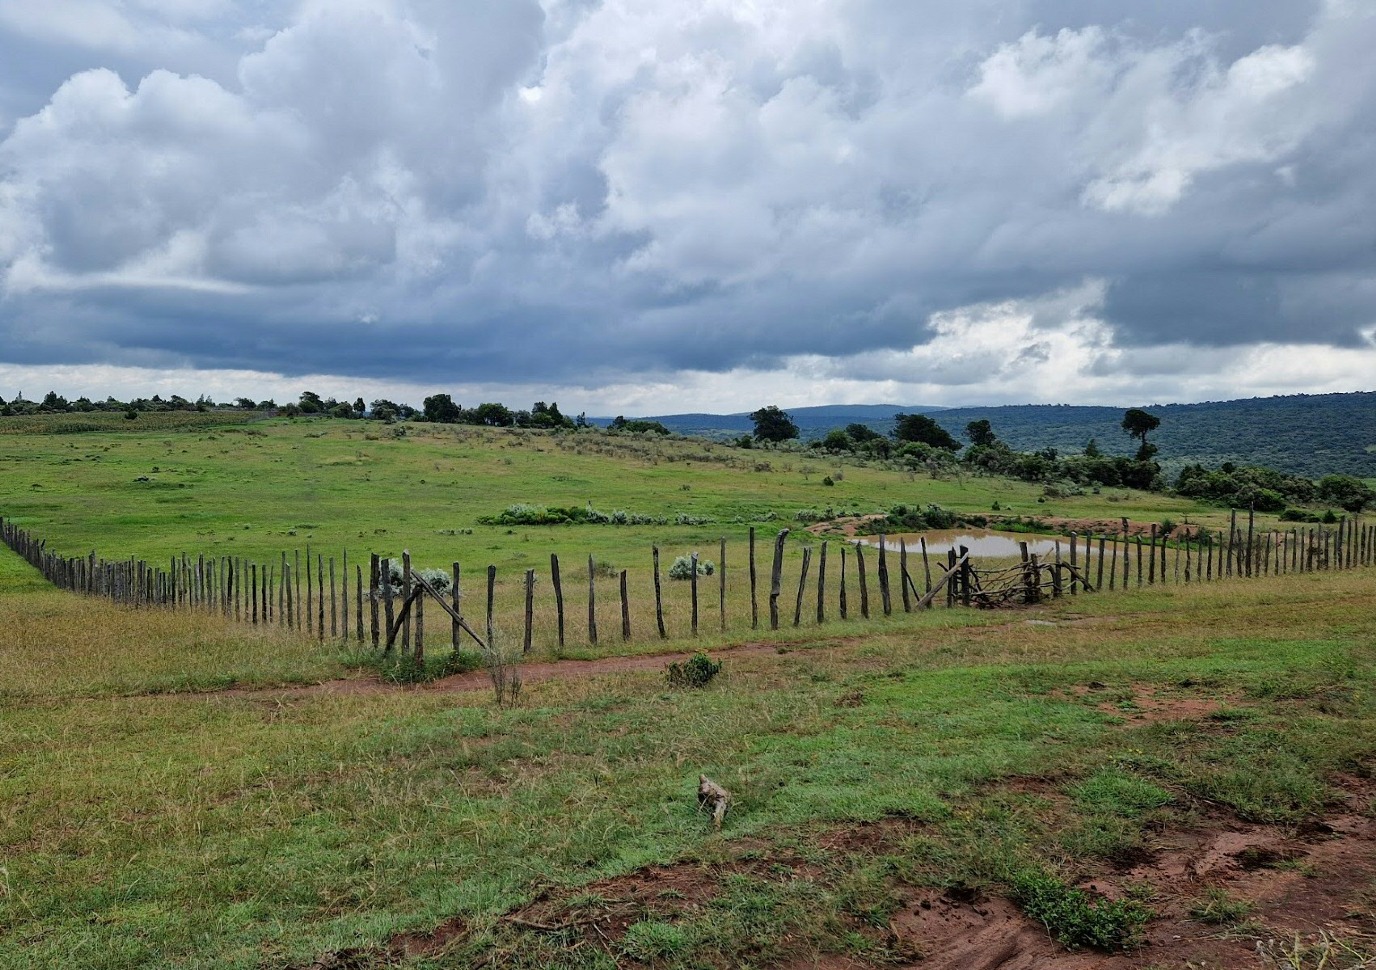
[(179, 790)]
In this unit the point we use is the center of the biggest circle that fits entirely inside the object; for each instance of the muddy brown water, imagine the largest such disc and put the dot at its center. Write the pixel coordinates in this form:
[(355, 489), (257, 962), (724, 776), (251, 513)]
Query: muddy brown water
[(982, 543)]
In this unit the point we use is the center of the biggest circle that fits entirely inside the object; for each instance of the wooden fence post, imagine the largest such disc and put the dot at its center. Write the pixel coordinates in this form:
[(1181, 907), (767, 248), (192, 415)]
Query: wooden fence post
[(864, 580), (491, 595), (802, 585), (821, 583), (659, 594), (456, 596), (841, 605), (693, 583), (592, 602), (405, 598), (884, 599), (904, 581), (558, 595), (625, 609), (389, 610), (776, 579), (754, 602), (530, 612)]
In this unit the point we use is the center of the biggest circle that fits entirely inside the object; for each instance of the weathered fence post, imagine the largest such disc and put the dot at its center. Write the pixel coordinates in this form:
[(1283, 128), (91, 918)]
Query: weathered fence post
[(802, 584), (721, 583), (693, 583), (776, 579), (558, 595), (625, 609), (821, 583), (659, 595), (530, 612), (491, 595), (841, 604), (903, 580), (884, 599), (592, 602), (864, 580), (456, 597), (754, 602), (1151, 569)]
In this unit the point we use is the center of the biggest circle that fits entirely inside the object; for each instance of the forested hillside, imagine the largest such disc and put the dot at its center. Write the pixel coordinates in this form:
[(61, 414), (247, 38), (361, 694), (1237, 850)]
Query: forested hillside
[(1302, 434)]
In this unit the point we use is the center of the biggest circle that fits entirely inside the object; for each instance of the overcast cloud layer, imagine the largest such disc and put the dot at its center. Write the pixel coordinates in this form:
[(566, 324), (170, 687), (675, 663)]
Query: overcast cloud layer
[(672, 206)]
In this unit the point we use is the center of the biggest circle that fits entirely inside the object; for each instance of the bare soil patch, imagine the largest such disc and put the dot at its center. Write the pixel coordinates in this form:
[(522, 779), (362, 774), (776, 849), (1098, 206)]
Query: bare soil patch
[(1304, 884)]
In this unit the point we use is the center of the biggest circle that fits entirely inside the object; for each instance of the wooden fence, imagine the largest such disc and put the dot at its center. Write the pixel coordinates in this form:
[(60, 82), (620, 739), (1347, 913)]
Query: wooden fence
[(367, 602)]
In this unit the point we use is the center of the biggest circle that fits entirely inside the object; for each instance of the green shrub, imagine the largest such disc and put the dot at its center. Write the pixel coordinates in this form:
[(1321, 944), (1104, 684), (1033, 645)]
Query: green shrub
[(682, 568), (1073, 918), (697, 671)]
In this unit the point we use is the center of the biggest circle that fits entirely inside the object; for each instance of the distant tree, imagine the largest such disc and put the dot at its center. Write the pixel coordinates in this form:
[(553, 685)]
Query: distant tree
[(494, 415), (1092, 449), (245, 403), (922, 429), (1351, 493), (310, 403), (441, 409), (341, 410), (837, 441), (384, 410), (548, 416), (53, 403), (360, 408), (981, 433), (638, 425), (1138, 424), (861, 432), (771, 424)]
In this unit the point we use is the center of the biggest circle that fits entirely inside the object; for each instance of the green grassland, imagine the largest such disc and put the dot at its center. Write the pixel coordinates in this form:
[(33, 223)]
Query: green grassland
[(151, 818), (257, 490)]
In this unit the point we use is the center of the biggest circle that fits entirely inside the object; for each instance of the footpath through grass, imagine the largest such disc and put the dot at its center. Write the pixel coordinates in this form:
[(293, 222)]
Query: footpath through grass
[(253, 828)]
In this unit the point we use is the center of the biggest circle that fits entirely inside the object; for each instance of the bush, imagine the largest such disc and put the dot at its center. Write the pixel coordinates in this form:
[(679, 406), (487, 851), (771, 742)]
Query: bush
[(697, 671), (682, 568), (1073, 918)]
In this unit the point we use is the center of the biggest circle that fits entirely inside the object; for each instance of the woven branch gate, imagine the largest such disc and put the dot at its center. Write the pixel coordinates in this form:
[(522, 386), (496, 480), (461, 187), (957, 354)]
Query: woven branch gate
[(337, 600)]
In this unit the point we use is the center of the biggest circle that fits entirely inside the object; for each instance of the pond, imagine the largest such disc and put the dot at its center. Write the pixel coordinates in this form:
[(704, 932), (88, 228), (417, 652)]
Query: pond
[(982, 543)]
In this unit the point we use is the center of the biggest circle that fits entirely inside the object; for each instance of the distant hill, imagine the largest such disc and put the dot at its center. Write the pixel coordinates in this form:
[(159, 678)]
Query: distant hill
[(1303, 434), (812, 422)]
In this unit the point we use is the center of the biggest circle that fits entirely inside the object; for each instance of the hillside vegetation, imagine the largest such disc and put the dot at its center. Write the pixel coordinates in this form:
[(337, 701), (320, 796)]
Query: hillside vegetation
[(1304, 434)]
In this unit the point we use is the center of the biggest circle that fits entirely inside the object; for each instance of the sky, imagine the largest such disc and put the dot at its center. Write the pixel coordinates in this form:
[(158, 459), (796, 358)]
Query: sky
[(672, 206)]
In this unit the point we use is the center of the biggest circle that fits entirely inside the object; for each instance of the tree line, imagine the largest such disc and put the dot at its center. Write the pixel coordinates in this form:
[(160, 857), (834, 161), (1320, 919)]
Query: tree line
[(918, 441)]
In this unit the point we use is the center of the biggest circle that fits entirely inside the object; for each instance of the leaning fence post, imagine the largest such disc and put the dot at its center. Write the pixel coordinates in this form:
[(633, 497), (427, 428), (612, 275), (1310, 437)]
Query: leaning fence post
[(903, 579), (659, 596), (802, 584), (389, 610), (558, 595), (625, 609)]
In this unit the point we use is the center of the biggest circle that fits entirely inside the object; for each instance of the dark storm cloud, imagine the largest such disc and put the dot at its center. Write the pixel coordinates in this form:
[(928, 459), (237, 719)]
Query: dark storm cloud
[(544, 192)]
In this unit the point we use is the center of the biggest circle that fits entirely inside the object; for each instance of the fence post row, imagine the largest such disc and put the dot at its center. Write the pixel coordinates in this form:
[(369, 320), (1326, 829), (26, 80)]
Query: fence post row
[(270, 593)]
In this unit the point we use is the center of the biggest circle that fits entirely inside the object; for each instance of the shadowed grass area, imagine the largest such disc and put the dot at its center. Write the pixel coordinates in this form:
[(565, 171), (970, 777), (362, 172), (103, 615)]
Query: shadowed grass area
[(268, 827)]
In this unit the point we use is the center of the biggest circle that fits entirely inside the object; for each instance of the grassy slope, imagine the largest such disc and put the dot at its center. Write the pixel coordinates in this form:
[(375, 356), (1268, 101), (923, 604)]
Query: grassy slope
[(256, 491)]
